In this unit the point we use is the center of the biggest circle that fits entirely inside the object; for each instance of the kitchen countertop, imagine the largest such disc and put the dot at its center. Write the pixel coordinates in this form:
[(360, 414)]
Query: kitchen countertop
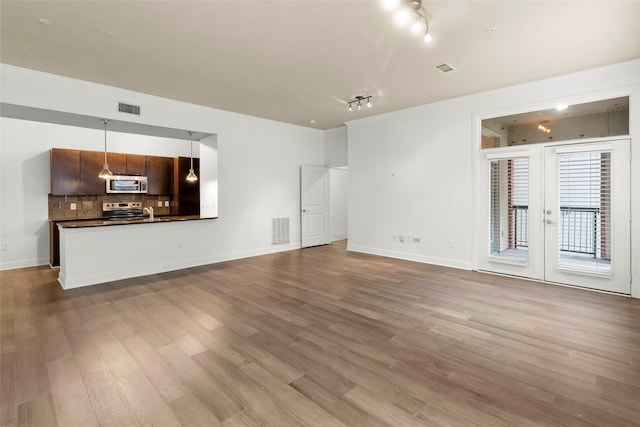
[(100, 222)]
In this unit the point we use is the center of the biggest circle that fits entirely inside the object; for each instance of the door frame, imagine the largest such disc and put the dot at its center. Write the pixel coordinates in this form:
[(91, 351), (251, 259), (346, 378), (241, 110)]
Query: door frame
[(325, 238), (479, 172)]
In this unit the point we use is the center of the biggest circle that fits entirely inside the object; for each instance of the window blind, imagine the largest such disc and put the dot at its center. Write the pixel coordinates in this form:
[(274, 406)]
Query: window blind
[(509, 208), (584, 226)]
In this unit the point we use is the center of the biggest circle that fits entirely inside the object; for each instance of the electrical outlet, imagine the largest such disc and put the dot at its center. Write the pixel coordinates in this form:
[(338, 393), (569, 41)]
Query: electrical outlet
[(159, 203), (401, 239), (72, 206), (166, 203), (416, 240), (5, 247)]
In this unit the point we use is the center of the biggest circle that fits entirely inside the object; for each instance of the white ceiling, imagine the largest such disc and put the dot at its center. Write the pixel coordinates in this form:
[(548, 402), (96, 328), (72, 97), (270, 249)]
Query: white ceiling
[(296, 61)]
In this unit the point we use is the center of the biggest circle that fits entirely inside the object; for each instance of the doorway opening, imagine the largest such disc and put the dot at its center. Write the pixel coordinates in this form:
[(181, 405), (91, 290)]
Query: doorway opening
[(557, 211)]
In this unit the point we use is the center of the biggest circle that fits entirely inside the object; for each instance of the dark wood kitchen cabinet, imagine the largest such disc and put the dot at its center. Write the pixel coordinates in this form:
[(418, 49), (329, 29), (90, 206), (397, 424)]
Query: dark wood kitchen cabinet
[(75, 172), (65, 172), (54, 244), (186, 194), (159, 175), (91, 163), (136, 164)]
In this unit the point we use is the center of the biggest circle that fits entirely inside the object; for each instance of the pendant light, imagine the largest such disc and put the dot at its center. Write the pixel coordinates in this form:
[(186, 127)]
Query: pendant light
[(105, 172), (192, 175)]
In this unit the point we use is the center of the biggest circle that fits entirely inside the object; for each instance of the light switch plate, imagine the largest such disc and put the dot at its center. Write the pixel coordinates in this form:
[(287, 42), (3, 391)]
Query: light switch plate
[(159, 203), (72, 206), (166, 203)]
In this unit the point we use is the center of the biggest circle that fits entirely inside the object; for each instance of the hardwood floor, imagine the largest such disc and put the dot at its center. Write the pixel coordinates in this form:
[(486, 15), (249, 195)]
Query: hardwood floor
[(317, 337)]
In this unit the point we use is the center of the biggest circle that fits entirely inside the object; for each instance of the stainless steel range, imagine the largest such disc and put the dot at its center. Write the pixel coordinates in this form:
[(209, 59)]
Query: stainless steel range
[(122, 210)]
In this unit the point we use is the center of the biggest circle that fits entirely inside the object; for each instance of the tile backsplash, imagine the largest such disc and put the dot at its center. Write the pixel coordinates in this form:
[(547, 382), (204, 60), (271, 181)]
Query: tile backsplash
[(88, 207)]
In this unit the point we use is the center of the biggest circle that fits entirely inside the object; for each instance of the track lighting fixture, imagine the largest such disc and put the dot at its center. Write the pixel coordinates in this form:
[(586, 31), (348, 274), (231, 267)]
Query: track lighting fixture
[(105, 172), (358, 101), (192, 175), (409, 11), (544, 128)]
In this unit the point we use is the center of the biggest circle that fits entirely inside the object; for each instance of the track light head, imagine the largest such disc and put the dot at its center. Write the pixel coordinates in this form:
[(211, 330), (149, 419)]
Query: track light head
[(358, 100), (409, 12)]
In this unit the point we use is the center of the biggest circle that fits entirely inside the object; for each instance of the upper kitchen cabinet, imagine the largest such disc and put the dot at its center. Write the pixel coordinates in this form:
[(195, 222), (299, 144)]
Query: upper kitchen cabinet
[(91, 163), (159, 175), (65, 172), (136, 164), (186, 194)]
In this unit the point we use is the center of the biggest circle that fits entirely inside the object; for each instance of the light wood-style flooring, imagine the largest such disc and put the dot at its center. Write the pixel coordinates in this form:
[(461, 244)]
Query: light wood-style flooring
[(316, 337)]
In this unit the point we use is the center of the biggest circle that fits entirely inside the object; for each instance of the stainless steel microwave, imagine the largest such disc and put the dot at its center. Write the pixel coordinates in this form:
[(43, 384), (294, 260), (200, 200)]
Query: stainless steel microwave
[(127, 184)]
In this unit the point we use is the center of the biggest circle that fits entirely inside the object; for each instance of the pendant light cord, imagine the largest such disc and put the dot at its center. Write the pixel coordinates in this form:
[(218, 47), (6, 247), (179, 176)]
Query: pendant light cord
[(191, 143), (105, 121)]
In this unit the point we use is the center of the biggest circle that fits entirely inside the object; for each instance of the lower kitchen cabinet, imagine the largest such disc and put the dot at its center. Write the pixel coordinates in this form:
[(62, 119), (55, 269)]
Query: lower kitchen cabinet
[(54, 244)]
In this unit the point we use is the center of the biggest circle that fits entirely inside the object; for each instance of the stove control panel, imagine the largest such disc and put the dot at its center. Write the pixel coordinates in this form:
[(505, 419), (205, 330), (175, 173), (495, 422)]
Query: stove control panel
[(119, 206)]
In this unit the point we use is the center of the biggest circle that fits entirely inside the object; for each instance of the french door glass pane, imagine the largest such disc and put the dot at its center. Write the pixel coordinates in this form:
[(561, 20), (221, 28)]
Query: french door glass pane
[(584, 228), (509, 208)]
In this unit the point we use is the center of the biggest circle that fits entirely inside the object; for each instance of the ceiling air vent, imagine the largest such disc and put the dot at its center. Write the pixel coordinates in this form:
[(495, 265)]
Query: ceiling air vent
[(128, 108), (445, 68)]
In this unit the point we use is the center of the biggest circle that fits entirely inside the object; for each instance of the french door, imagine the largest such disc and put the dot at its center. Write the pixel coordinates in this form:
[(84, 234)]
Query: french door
[(559, 213)]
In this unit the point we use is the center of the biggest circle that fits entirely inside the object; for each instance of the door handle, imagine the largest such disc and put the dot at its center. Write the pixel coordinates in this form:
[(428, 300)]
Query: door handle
[(304, 210), (550, 221)]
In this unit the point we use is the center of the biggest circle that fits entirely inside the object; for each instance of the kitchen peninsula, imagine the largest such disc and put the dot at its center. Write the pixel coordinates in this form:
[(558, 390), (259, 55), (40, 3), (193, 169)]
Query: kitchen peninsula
[(142, 219), (98, 251)]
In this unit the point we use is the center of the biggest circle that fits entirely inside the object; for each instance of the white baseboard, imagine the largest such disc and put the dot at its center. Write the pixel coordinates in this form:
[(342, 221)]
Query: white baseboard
[(12, 265), (338, 236), (445, 262)]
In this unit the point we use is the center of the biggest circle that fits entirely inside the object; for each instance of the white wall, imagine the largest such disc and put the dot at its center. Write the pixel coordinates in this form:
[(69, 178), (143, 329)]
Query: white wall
[(25, 178), (411, 172), (258, 168), (335, 146), (338, 203), (335, 154), (208, 148)]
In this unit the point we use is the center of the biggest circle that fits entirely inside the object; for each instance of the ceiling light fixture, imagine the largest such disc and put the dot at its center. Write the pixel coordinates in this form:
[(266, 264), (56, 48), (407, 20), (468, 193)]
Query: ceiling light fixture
[(105, 172), (404, 11), (543, 128), (358, 101), (192, 175)]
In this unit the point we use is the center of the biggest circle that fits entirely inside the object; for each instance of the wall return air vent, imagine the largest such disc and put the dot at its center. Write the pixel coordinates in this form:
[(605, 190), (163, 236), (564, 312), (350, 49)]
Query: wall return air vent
[(445, 68), (128, 108)]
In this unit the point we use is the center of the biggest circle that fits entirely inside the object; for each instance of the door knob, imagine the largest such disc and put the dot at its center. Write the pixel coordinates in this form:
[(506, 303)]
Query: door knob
[(548, 211), (550, 222), (304, 210)]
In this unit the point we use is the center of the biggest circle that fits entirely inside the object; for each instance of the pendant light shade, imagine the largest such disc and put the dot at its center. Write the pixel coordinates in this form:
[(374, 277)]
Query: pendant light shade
[(105, 172), (192, 175)]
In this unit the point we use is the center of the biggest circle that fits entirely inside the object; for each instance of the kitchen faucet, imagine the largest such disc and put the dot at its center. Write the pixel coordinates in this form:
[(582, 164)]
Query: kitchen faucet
[(149, 210)]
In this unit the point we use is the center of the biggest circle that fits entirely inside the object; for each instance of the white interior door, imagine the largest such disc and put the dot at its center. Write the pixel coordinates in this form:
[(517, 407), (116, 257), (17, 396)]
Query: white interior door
[(314, 204), (587, 222)]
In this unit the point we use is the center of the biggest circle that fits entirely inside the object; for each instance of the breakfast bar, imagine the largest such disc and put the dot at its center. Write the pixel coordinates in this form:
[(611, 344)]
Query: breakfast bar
[(98, 251)]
